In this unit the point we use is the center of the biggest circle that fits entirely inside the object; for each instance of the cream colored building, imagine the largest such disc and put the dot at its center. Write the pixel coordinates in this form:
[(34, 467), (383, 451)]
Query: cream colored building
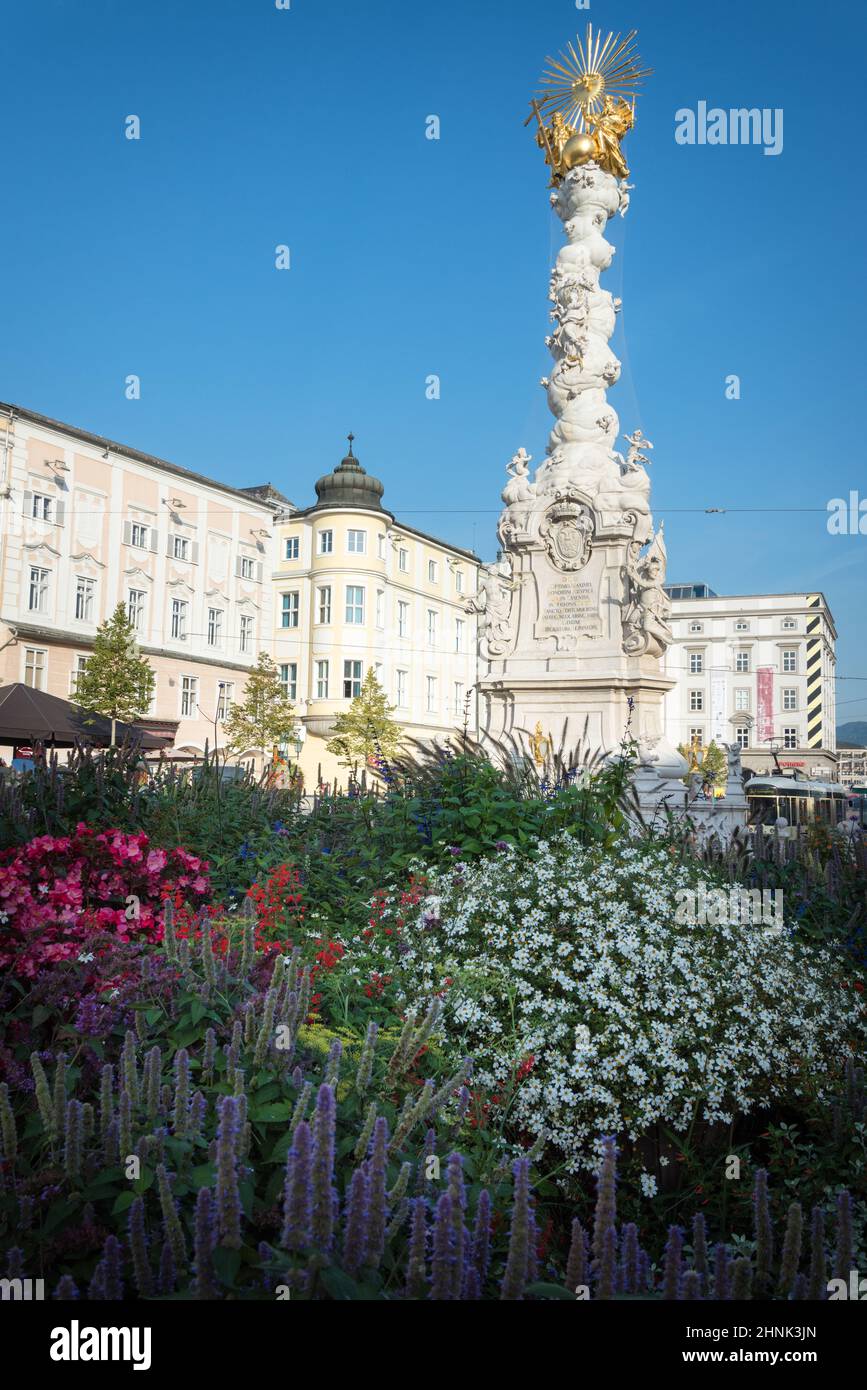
[(757, 670), (355, 589), (85, 524)]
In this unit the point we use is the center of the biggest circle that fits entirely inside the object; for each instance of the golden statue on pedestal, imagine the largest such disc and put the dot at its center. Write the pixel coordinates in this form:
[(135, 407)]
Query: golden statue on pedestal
[(590, 97)]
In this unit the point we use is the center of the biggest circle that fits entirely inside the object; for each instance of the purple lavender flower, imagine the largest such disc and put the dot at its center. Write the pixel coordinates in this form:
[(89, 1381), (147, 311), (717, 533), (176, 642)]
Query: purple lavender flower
[(691, 1286), (577, 1262), (672, 1263), (228, 1196), (481, 1249), (138, 1249), (443, 1261), (416, 1261), (843, 1252), (515, 1276), (790, 1257), (168, 1276), (377, 1172), (181, 1108), (605, 1216), (204, 1241), (720, 1273), (629, 1259), (298, 1192), (324, 1196), (355, 1243), (67, 1289), (763, 1229), (817, 1289), (112, 1260)]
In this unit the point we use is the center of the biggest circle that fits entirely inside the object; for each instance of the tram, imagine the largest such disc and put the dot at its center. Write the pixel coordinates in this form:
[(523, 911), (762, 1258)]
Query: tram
[(800, 801)]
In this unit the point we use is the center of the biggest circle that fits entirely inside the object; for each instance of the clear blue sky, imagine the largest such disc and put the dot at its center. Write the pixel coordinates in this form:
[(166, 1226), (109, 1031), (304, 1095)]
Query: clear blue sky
[(412, 257)]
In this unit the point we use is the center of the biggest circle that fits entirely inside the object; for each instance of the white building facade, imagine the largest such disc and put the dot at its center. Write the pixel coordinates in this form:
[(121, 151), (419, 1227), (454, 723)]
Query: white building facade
[(86, 524), (757, 670)]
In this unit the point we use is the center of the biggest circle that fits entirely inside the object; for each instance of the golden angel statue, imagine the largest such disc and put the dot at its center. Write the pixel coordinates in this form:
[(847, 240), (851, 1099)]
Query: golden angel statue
[(609, 127)]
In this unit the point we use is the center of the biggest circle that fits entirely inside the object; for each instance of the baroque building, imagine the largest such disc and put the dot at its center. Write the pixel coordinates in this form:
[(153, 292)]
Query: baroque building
[(87, 523), (756, 670), (356, 589)]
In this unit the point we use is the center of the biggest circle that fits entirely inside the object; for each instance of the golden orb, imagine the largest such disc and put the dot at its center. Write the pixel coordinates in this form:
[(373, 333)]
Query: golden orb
[(577, 150)]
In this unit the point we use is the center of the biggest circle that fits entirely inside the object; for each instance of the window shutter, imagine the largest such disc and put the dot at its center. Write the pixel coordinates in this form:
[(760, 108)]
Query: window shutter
[(27, 507), (59, 511), (259, 572), (127, 533), (169, 545), (194, 552), (153, 537), (237, 567)]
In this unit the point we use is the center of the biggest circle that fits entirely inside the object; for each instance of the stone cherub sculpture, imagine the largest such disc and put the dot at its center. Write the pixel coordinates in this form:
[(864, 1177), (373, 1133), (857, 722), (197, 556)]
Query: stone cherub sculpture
[(519, 495), (647, 606), (636, 457)]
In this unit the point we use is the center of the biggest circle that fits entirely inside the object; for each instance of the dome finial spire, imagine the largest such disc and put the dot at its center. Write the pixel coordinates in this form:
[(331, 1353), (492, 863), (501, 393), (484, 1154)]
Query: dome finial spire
[(350, 437)]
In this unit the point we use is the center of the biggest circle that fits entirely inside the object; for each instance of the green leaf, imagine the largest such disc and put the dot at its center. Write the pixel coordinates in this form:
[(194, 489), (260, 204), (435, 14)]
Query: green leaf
[(275, 1114), (123, 1201), (339, 1285), (542, 1290), (227, 1263)]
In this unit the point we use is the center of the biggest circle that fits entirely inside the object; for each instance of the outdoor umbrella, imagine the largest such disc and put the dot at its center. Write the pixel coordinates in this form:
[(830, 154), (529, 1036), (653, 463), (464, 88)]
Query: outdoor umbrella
[(32, 716)]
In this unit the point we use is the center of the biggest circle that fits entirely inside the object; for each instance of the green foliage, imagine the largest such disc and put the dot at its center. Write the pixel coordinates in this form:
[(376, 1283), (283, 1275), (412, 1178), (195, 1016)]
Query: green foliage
[(117, 681), (265, 718), (366, 730)]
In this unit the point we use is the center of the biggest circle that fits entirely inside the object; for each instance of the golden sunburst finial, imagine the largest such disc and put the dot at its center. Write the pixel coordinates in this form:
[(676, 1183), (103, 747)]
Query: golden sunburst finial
[(577, 82)]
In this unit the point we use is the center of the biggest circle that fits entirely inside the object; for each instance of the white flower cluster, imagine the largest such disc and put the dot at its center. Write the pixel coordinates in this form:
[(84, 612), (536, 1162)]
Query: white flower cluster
[(576, 958)]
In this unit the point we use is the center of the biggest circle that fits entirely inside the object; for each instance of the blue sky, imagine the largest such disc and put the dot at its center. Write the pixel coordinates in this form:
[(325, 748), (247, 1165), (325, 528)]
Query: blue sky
[(412, 257)]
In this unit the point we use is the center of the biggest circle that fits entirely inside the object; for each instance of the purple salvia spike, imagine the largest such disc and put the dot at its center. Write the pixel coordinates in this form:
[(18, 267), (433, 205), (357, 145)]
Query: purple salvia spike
[(672, 1263), (629, 1259), (763, 1230), (112, 1260), (377, 1176), (457, 1192), (355, 1243), (721, 1273), (515, 1275), (443, 1259), (817, 1289), (67, 1289), (227, 1193), (138, 1249), (482, 1236), (204, 1241), (691, 1286), (324, 1194), (298, 1192), (843, 1252), (416, 1261), (605, 1215), (168, 1275)]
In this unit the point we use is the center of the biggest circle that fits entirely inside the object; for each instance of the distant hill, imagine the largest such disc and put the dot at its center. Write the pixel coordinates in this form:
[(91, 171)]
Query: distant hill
[(853, 732)]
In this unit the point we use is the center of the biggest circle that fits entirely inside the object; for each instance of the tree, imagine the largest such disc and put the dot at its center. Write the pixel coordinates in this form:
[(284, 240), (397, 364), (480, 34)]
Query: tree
[(117, 681), (265, 717), (367, 727), (713, 766)]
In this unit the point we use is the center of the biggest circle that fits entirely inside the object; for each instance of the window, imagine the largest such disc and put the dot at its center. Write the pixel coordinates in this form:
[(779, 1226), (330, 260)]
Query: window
[(742, 736), (356, 542), (431, 627), (42, 507), (742, 661), (354, 603), (401, 689), (789, 624), (225, 699), (351, 679), (742, 625), (459, 581), (790, 699), (323, 606), (78, 670), (459, 634), (380, 546), (290, 609), (790, 738), (293, 547), (790, 659), (322, 680), (189, 696), (696, 700), (135, 604), (179, 619), (39, 580), (181, 548), (696, 627), (430, 697), (84, 591), (326, 542), (139, 535), (742, 698), (403, 560), (34, 668), (432, 570), (696, 738), (402, 618), (696, 663), (246, 567), (289, 679), (215, 627), (377, 671), (245, 642), (459, 699), (380, 608)]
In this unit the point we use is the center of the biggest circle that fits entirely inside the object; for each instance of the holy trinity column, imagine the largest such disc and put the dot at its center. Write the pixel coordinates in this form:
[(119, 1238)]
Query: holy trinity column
[(573, 615)]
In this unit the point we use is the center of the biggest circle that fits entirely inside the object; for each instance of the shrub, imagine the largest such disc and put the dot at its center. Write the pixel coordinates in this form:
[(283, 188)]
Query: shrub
[(57, 891), (590, 1009)]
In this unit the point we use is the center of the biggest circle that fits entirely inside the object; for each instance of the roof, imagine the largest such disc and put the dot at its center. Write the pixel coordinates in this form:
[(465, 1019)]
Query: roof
[(100, 441)]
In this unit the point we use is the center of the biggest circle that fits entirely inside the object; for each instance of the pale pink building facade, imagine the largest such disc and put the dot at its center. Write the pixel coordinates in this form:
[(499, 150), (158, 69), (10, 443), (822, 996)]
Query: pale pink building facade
[(86, 524)]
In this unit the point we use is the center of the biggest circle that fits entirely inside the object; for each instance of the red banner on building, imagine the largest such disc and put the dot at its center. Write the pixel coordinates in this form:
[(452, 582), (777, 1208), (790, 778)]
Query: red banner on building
[(765, 703)]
